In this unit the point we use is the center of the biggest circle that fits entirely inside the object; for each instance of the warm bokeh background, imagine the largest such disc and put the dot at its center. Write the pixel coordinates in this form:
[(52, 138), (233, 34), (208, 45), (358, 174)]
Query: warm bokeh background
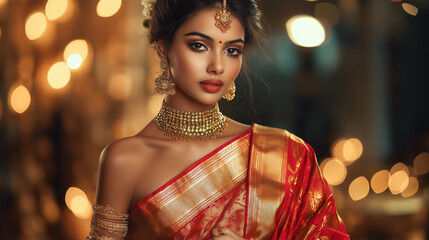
[(77, 74)]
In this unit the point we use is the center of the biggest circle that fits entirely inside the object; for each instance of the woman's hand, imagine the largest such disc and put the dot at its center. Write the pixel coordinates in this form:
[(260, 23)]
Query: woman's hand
[(223, 233)]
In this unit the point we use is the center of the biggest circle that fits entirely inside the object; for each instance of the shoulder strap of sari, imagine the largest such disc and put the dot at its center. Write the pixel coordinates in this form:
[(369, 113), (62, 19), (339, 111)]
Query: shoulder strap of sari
[(266, 180)]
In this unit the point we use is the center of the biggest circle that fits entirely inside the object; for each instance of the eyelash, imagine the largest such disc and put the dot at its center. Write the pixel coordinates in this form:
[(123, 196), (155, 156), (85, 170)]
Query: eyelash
[(237, 51)]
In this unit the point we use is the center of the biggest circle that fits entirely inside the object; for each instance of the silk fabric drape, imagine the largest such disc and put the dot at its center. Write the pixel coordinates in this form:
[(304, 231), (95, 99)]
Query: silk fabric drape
[(263, 184), (286, 166)]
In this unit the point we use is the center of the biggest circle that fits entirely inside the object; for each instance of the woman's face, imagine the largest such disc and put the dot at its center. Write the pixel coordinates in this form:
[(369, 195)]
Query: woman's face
[(203, 60)]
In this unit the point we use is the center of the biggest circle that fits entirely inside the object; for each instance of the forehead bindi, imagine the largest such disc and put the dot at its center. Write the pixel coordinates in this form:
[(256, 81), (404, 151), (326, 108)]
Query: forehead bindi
[(204, 22)]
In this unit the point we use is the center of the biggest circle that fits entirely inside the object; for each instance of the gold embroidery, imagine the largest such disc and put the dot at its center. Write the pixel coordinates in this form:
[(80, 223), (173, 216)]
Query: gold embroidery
[(323, 238), (108, 224), (290, 180), (315, 200)]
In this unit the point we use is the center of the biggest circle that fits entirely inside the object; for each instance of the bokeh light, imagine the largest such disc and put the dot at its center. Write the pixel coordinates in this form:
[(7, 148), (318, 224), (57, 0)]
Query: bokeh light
[(120, 86), (410, 9), (20, 99), (35, 25), (398, 182), (78, 46), (380, 181), (359, 188), (79, 205), (108, 8), (74, 61), (347, 150), (352, 150), (55, 9), (305, 31), (77, 201), (334, 171), (399, 167), (412, 188), (421, 163), (59, 75)]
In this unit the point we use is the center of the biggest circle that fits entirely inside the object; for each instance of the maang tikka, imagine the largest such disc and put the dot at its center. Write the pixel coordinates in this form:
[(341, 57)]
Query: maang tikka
[(223, 19), (163, 83)]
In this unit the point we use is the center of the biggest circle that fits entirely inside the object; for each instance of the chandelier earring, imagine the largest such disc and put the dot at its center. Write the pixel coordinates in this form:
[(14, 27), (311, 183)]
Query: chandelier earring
[(164, 83), (230, 93)]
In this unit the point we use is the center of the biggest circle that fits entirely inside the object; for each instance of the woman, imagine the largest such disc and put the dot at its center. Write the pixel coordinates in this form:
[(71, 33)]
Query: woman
[(193, 173)]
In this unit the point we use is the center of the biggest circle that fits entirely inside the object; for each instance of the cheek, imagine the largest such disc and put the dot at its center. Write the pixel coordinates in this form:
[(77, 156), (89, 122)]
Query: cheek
[(234, 68), (185, 64)]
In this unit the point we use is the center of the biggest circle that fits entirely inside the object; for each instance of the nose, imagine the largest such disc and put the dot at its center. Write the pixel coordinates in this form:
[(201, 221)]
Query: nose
[(216, 65)]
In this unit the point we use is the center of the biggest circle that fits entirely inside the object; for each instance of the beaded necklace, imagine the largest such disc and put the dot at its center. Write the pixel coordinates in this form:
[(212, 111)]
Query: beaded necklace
[(191, 126)]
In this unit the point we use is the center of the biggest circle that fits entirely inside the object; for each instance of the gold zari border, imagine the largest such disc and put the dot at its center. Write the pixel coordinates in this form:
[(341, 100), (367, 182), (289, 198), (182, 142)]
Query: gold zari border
[(185, 198), (267, 179)]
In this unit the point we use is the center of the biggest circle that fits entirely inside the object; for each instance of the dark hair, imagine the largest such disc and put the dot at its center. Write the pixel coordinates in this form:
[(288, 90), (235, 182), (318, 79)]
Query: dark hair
[(168, 15)]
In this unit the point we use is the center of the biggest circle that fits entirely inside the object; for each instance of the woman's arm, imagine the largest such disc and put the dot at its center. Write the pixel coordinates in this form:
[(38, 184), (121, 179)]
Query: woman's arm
[(116, 181)]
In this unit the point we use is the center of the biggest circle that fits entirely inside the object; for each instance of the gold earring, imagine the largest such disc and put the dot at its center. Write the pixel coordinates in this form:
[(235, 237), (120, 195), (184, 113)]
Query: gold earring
[(230, 93), (163, 83)]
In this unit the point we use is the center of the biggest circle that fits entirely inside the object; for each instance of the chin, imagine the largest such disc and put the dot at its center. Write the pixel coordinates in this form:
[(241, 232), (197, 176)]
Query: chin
[(208, 100)]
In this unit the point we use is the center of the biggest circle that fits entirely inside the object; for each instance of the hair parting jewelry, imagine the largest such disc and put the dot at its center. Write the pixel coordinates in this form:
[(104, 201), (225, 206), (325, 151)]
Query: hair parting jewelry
[(230, 93), (223, 19), (191, 126)]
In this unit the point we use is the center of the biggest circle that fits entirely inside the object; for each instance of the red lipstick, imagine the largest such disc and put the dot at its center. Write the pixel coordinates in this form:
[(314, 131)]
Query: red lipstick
[(211, 85)]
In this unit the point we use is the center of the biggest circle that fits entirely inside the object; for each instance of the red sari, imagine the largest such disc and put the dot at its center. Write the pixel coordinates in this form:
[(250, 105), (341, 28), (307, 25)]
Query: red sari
[(263, 184)]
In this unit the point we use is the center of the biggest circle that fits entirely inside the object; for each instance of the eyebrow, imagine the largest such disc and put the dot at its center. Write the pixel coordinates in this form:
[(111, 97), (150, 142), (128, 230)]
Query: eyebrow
[(211, 39)]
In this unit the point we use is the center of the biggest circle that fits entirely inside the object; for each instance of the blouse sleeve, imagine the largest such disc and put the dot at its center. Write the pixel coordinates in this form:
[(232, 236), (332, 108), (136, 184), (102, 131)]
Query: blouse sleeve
[(308, 211)]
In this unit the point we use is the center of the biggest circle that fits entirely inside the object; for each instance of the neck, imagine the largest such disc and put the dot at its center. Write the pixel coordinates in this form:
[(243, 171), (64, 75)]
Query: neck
[(190, 126)]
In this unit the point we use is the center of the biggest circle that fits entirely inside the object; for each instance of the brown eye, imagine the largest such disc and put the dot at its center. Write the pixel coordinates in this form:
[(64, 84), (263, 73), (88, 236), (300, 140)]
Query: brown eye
[(233, 51), (197, 46)]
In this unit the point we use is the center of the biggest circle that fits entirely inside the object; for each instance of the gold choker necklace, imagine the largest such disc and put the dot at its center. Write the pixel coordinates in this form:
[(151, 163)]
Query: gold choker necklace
[(191, 126)]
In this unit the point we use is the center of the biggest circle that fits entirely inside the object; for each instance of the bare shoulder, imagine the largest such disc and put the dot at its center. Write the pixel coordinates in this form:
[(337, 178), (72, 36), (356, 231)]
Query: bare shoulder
[(130, 155), (121, 163), (122, 152), (236, 128)]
